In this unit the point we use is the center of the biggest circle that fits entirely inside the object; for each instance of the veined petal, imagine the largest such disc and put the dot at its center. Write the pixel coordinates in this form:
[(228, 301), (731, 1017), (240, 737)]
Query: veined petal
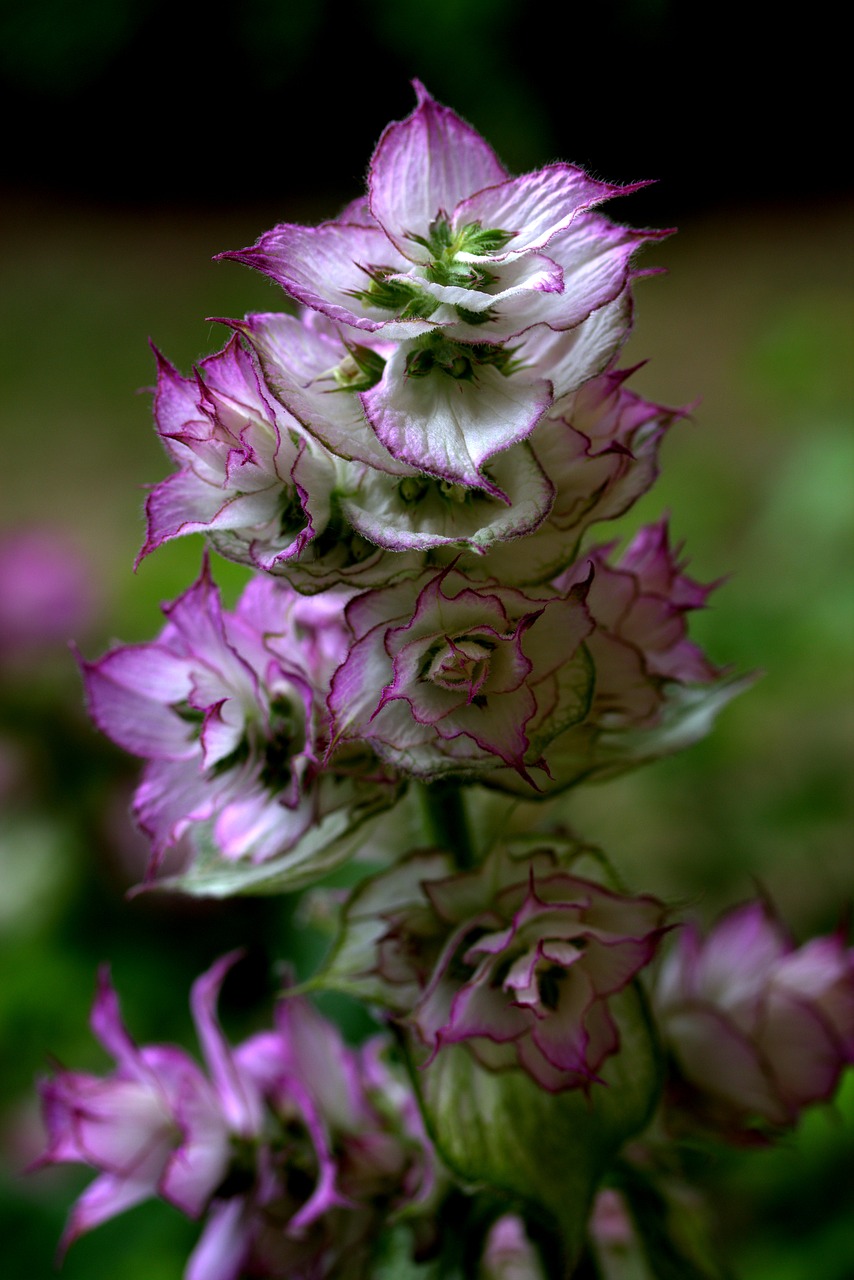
[(239, 1102), (537, 205), (426, 163), (423, 513), (449, 428), (128, 692), (298, 360), (595, 257), (324, 267)]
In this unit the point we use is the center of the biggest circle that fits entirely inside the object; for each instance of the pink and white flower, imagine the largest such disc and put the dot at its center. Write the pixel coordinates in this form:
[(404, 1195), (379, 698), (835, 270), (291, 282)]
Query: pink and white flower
[(598, 446), (520, 959), (156, 1126), (249, 476), (449, 259), (294, 1171), (450, 677), (227, 708), (757, 1028), (379, 501), (655, 690)]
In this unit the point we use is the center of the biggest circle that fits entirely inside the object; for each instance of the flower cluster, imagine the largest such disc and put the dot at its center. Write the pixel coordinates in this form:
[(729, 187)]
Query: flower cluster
[(410, 467), (228, 710), (420, 450)]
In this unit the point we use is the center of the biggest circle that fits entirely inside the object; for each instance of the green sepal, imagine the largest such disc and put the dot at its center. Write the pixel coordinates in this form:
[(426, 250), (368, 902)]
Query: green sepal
[(360, 370), (547, 1152)]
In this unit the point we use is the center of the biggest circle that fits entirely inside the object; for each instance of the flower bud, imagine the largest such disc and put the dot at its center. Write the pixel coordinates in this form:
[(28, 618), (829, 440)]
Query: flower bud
[(756, 1028)]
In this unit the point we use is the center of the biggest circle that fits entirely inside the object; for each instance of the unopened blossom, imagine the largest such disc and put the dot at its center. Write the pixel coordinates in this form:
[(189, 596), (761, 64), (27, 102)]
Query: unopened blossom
[(518, 959), (757, 1028), (451, 261), (227, 709), (448, 676), (249, 475)]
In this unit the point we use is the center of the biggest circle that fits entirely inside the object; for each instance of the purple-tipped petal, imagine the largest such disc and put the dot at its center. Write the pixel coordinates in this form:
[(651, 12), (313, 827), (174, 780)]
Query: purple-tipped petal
[(425, 164)]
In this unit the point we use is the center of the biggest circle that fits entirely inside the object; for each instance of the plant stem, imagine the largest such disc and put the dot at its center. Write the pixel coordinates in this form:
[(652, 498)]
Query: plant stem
[(443, 811)]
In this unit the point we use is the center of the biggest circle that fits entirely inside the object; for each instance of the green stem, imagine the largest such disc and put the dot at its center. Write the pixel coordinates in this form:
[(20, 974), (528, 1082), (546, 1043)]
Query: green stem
[(443, 812)]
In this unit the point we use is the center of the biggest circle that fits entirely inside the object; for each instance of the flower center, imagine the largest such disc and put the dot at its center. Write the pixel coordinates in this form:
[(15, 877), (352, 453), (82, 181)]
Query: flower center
[(463, 664), (389, 290)]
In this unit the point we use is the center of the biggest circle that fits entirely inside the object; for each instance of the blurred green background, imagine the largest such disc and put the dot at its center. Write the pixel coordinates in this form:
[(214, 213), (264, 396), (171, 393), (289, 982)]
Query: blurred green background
[(155, 139)]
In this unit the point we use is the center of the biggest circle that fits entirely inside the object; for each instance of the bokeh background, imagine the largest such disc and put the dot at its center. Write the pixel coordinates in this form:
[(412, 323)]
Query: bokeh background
[(141, 138)]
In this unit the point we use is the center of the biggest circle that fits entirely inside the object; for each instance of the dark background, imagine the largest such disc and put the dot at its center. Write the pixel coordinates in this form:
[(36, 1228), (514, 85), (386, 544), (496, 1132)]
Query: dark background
[(153, 102)]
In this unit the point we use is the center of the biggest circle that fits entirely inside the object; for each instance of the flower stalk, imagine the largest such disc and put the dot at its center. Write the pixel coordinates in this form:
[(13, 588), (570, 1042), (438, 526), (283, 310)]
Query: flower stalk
[(442, 806)]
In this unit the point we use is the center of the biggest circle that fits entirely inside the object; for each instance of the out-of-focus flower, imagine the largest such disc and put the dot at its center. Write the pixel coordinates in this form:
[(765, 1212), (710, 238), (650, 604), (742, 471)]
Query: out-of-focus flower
[(227, 709), (448, 260), (448, 676), (156, 1126), (353, 1153), (295, 1170), (47, 593), (508, 1253), (519, 959), (756, 1027)]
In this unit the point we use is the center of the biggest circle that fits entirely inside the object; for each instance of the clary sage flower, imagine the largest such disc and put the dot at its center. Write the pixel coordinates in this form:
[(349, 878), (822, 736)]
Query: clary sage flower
[(293, 1170), (227, 708), (453, 262), (448, 676), (157, 1125), (654, 689), (519, 959), (757, 1028), (249, 475)]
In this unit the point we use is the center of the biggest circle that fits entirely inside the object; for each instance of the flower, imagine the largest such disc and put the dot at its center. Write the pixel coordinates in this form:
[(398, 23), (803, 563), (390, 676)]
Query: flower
[(351, 1153), (756, 1027), (249, 475), (598, 447), (508, 1253), (450, 260), (382, 501), (447, 676), (156, 1126), (227, 710), (47, 594), (655, 690), (523, 960), (294, 1171)]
